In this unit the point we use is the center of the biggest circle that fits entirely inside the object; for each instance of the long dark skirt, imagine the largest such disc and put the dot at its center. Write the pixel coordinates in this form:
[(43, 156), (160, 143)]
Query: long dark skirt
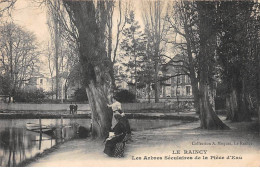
[(115, 147)]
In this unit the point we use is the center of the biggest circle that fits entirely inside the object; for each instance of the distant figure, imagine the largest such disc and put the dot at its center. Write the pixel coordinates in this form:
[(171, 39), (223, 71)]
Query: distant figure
[(75, 108), (71, 109)]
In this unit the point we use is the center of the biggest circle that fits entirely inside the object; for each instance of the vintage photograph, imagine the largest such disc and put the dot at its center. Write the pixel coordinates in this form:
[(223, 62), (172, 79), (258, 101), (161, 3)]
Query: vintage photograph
[(129, 83)]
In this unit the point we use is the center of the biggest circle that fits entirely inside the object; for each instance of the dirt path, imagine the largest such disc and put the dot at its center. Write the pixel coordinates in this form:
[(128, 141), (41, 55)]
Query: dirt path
[(236, 147)]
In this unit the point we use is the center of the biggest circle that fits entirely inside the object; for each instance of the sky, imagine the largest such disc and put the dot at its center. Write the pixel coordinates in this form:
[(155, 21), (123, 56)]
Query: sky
[(30, 16), (33, 18)]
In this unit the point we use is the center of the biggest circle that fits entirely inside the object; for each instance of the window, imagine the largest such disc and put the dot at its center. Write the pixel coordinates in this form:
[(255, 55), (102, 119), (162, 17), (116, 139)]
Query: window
[(168, 91), (168, 81), (179, 79), (188, 93), (187, 79), (41, 81), (178, 92)]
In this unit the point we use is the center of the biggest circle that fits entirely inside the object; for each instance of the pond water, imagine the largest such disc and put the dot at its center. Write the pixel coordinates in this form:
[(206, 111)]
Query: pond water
[(18, 144)]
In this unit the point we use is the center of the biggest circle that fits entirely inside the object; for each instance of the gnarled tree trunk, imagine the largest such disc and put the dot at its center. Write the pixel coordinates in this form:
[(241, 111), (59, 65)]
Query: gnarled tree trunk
[(258, 87), (237, 104), (91, 24), (101, 116), (209, 119), (237, 107)]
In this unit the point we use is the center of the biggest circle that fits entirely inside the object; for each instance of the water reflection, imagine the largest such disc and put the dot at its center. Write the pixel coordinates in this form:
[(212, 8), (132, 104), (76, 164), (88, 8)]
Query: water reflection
[(18, 144)]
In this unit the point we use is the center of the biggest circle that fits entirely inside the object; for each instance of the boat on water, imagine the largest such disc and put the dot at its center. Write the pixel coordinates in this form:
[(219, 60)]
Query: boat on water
[(36, 128), (33, 126)]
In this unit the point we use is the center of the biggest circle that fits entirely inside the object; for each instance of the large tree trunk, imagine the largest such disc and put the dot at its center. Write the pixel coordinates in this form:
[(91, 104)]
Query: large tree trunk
[(237, 104), (91, 23), (193, 78), (98, 97), (195, 91), (257, 58), (57, 47), (258, 91), (208, 117), (237, 107), (258, 105)]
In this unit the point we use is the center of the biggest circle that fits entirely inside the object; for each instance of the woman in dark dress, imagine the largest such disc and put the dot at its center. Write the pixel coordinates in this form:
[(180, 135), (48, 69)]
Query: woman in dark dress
[(114, 146)]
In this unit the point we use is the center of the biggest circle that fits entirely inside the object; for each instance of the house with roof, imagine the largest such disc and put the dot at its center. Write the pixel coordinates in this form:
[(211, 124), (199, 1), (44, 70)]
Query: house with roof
[(174, 82), (38, 81)]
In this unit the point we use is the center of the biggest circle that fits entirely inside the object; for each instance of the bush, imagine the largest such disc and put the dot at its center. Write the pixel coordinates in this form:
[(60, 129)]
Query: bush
[(80, 95), (125, 96), (35, 96)]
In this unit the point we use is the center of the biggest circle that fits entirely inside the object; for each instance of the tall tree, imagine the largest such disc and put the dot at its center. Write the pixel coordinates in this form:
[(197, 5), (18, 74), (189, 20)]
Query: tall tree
[(6, 5), (90, 20), (183, 21), (133, 46), (234, 54), (50, 66), (115, 10), (257, 62), (155, 23), (19, 55), (64, 46), (55, 30), (207, 48)]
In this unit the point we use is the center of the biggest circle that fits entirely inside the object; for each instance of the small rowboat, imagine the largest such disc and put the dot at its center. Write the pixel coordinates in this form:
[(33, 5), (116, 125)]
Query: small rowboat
[(36, 128)]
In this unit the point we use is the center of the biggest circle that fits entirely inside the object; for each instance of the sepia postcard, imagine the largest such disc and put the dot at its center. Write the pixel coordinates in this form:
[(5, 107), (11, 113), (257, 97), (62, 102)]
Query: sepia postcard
[(126, 83)]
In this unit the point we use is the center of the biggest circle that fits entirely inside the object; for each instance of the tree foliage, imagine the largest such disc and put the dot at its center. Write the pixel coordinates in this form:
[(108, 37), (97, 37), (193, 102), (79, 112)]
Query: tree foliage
[(19, 55), (80, 95), (125, 96), (133, 46), (30, 96), (236, 51)]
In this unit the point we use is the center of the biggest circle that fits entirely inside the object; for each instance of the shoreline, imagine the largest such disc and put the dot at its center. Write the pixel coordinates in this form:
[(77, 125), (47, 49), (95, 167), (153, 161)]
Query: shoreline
[(191, 116), (42, 154), (51, 150), (86, 152), (147, 140)]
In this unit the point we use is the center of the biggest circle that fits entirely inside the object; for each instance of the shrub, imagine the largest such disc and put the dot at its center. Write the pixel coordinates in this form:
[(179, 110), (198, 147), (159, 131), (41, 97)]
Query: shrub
[(35, 96), (80, 95), (125, 96)]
